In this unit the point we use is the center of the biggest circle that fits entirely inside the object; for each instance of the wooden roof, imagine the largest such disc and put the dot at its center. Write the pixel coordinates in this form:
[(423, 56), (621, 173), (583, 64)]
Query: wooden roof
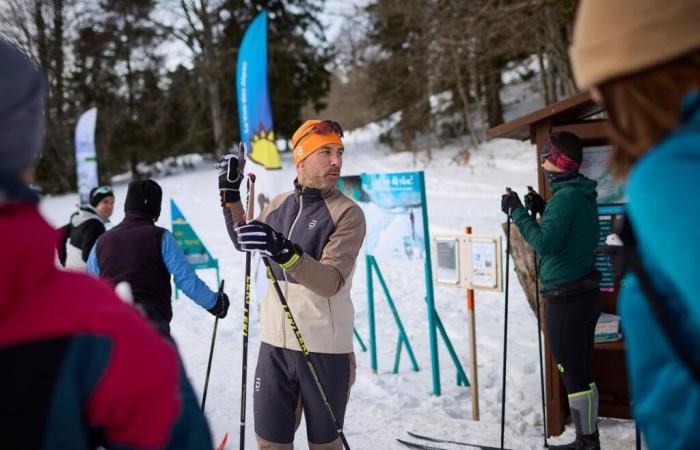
[(570, 110)]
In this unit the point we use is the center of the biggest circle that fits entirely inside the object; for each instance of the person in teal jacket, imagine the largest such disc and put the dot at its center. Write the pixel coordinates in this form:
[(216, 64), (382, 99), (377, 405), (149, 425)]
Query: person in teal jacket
[(642, 61), (565, 240)]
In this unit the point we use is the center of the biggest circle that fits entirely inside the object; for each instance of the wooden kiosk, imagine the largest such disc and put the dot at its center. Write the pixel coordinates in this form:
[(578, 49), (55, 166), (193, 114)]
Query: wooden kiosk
[(608, 367)]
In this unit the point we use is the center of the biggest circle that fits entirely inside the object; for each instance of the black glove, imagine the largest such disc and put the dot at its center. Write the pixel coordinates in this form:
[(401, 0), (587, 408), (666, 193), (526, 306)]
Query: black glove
[(230, 178), (220, 308), (510, 202), (534, 202), (259, 236)]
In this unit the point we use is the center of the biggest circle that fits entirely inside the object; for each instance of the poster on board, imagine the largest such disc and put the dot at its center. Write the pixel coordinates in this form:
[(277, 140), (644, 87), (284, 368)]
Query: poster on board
[(594, 166), (393, 212), (447, 264), (485, 271)]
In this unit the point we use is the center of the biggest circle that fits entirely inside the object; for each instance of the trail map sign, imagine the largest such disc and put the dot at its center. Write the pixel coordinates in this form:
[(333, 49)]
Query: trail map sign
[(193, 248), (395, 216)]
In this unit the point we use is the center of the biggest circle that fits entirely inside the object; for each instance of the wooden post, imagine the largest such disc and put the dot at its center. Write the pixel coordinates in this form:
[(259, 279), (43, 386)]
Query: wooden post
[(471, 317)]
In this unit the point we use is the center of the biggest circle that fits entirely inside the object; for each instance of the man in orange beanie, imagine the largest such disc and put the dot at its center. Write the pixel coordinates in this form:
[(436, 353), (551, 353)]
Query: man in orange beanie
[(312, 236)]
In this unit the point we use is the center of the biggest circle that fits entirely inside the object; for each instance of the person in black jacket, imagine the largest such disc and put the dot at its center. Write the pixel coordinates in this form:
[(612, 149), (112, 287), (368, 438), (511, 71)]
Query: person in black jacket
[(145, 255), (85, 227)]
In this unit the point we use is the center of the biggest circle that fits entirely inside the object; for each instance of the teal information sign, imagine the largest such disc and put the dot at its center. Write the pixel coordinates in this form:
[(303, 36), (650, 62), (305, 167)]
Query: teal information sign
[(193, 248)]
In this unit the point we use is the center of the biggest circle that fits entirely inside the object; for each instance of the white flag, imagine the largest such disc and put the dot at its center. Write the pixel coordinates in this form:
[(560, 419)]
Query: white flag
[(85, 158)]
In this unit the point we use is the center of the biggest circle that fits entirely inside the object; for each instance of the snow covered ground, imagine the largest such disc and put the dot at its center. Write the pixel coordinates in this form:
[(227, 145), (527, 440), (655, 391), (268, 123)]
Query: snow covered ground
[(382, 406)]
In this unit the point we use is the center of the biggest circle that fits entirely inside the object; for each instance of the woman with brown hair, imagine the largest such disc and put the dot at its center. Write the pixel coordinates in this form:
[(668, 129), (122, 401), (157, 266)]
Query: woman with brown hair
[(641, 59)]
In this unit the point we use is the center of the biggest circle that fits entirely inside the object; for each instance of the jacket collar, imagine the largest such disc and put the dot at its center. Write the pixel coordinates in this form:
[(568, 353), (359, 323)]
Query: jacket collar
[(28, 252), (13, 191), (85, 213), (309, 193), (137, 216)]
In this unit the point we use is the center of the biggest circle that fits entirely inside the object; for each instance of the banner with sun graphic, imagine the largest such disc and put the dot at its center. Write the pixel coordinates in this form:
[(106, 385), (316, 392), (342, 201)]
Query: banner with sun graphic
[(254, 111)]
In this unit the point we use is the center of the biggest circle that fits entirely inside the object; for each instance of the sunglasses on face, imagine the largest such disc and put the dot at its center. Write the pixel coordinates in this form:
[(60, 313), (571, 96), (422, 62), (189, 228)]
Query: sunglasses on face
[(104, 190), (323, 127)]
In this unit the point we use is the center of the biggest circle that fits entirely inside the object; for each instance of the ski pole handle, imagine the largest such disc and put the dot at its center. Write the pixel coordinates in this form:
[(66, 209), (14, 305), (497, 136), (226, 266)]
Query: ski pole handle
[(250, 207), (221, 287)]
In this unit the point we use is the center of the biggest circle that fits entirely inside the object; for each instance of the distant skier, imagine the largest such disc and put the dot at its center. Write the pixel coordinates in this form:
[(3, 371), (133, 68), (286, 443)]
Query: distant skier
[(313, 235), (80, 369), (145, 255), (86, 226), (564, 241), (412, 218)]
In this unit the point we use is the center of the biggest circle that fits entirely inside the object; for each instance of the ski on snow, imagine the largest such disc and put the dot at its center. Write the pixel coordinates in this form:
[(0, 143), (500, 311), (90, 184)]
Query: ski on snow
[(419, 446), (442, 441)]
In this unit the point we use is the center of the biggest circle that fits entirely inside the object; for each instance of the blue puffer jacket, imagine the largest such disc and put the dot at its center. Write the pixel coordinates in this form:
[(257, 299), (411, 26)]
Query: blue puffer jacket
[(665, 213)]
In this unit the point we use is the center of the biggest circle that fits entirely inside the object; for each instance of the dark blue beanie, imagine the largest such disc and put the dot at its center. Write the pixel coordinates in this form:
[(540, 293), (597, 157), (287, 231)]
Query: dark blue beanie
[(21, 111)]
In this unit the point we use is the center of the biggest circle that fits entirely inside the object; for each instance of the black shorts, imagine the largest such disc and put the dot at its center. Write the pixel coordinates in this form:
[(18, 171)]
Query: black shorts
[(283, 387)]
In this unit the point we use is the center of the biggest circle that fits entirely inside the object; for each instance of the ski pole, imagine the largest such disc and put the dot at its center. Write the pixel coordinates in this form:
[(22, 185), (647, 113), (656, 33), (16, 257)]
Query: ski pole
[(505, 329), (305, 352), (530, 190), (211, 350), (246, 313), (539, 339)]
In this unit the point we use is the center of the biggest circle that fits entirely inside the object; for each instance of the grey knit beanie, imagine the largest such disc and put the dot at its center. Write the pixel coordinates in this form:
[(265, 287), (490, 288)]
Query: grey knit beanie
[(21, 110)]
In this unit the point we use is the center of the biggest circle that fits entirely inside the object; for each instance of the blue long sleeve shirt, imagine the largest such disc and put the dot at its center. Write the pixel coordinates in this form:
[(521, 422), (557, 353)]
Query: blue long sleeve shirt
[(186, 278)]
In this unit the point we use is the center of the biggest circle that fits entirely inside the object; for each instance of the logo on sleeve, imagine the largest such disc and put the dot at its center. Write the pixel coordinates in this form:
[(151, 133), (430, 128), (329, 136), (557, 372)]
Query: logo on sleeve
[(312, 224)]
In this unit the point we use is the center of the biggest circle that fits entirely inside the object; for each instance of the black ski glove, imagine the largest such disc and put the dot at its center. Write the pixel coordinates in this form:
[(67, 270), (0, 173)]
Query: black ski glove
[(230, 178), (259, 236), (534, 202), (220, 308), (510, 202)]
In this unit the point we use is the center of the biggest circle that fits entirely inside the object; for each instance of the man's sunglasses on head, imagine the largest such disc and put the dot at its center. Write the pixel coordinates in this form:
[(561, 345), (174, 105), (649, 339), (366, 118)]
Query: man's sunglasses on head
[(323, 127)]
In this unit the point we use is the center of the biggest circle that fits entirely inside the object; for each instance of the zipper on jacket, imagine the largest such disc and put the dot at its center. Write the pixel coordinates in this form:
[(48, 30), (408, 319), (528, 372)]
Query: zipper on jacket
[(284, 272)]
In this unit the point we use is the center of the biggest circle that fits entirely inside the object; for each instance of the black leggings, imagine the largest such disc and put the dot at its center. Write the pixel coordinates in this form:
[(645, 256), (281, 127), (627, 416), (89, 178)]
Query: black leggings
[(571, 327)]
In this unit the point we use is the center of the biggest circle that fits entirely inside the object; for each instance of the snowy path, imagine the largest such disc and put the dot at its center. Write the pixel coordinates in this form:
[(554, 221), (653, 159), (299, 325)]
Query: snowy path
[(383, 406)]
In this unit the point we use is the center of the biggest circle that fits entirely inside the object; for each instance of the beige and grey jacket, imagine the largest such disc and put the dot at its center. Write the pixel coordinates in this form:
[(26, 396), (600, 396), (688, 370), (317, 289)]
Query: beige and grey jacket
[(330, 229)]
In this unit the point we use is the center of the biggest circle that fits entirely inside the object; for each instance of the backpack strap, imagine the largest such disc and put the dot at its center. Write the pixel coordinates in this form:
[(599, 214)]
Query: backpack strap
[(633, 263)]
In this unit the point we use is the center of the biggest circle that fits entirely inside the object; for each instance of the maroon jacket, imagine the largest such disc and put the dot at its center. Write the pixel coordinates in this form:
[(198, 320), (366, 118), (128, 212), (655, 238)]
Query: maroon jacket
[(81, 369)]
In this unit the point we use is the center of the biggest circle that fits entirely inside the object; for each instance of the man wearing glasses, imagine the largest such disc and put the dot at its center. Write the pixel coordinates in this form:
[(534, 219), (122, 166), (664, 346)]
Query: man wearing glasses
[(88, 225), (312, 235)]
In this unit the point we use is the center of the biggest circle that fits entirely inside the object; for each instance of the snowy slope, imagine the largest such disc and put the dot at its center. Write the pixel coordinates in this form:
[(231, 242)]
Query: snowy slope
[(383, 406)]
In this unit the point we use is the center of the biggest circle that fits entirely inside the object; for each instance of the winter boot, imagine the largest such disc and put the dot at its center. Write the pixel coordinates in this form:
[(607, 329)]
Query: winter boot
[(584, 413), (582, 442)]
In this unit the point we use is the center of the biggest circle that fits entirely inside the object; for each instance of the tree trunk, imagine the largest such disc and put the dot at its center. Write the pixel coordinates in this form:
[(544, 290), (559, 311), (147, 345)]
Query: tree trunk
[(212, 82), (478, 91), (544, 78), (464, 96), (59, 130), (494, 108), (524, 264)]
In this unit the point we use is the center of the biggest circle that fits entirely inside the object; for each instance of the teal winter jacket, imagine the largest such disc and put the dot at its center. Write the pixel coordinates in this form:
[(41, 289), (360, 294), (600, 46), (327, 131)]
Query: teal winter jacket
[(665, 214)]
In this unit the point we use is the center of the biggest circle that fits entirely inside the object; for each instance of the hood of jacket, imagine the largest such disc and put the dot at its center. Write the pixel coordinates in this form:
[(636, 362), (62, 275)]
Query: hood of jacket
[(582, 184), (87, 213), (28, 252)]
